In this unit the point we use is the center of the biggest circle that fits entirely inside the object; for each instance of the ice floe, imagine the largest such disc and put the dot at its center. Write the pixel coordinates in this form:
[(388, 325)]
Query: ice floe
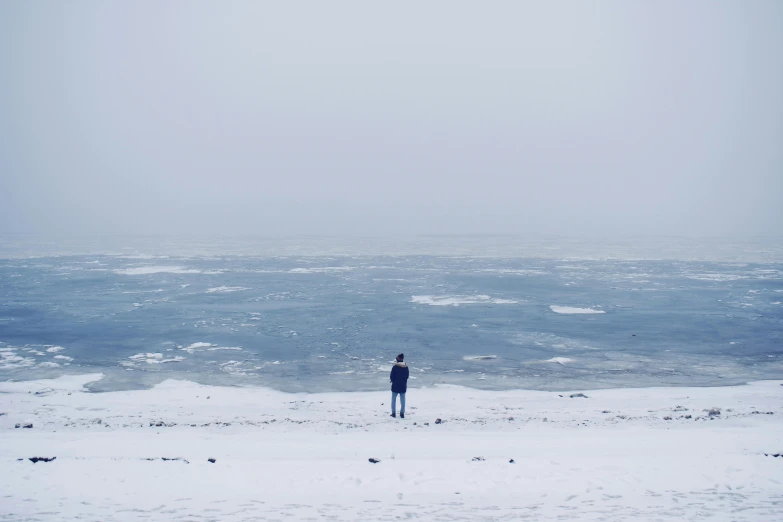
[(573, 310), (145, 270), (560, 360), (456, 300), (195, 346), (10, 360), (226, 289), (320, 270), (154, 358)]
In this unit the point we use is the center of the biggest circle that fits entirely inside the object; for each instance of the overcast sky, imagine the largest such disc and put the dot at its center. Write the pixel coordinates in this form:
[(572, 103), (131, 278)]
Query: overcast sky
[(370, 118)]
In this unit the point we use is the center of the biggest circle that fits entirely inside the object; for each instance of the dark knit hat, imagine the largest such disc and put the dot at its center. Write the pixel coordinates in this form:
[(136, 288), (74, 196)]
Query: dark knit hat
[(401, 357)]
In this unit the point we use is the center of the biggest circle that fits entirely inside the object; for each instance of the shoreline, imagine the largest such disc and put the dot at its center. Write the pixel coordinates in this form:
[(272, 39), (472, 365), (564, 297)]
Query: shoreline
[(112, 381), (663, 453)]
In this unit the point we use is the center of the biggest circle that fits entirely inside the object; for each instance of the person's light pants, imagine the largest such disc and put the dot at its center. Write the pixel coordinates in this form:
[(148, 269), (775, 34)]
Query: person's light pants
[(394, 403)]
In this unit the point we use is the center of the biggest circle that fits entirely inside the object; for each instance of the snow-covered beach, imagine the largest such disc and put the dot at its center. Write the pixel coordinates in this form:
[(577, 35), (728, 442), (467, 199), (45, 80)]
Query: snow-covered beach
[(646, 454)]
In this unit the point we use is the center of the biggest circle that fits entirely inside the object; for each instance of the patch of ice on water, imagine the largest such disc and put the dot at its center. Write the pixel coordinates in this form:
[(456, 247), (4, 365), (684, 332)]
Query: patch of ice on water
[(235, 368), (479, 357), (154, 358), (48, 365), (714, 276), (55, 349), (572, 310), (195, 346), (320, 270), (513, 271), (226, 289), (456, 300), (63, 358), (9, 360), (560, 360), (219, 348), (145, 270)]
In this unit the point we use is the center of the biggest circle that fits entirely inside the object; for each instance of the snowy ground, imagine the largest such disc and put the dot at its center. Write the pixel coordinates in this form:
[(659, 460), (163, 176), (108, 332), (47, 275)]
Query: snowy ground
[(646, 454)]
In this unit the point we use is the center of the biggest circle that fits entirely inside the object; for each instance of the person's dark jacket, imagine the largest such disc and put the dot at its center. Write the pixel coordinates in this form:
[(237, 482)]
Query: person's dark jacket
[(399, 377)]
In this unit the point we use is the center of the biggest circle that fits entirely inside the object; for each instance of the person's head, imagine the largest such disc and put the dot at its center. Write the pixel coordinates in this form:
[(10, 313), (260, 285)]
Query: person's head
[(401, 357)]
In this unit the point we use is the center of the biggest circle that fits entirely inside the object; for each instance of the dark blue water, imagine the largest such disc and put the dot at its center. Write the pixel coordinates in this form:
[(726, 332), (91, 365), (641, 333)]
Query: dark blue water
[(312, 323)]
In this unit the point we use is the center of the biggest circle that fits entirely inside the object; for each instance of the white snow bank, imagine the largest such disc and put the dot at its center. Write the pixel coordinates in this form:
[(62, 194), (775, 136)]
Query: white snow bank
[(667, 454), (145, 270), (456, 300), (66, 383), (572, 310)]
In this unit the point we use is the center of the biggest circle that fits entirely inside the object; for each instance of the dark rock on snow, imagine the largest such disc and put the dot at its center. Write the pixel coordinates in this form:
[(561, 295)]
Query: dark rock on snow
[(211, 460), (175, 458), (511, 461), (577, 395), (478, 459), (374, 461), (165, 459), (41, 459), (28, 425), (438, 421)]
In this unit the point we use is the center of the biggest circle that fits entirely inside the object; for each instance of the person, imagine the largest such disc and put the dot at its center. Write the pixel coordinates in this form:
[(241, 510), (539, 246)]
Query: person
[(399, 385)]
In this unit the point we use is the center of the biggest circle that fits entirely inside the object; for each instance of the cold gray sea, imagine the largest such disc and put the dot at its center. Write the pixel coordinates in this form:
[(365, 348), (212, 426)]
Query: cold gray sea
[(493, 315)]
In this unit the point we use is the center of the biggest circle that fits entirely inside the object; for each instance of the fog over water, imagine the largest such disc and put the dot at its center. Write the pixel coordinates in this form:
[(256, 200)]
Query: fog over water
[(356, 119)]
